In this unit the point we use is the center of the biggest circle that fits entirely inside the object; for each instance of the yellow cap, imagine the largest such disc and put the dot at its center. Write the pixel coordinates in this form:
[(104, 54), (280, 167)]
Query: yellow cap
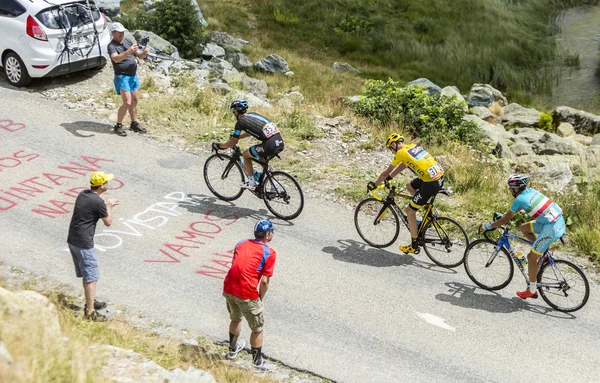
[(100, 178)]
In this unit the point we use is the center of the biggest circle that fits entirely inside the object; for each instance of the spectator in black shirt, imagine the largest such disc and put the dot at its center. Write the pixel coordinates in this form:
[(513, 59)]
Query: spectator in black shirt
[(89, 208), (259, 127), (122, 53)]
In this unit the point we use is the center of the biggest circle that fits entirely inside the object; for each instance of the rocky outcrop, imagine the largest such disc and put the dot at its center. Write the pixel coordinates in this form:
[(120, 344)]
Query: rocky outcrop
[(122, 365), (482, 112), (228, 42), (516, 115), (239, 61), (565, 130), (155, 41), (430, 86), (485, 95), (344, 67), (272, 64), (583, 122), (111, 8), (255, 86), (212, 50)]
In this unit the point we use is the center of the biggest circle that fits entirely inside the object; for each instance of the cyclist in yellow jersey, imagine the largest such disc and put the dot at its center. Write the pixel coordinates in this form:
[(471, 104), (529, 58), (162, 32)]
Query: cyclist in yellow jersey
[(429, 181)]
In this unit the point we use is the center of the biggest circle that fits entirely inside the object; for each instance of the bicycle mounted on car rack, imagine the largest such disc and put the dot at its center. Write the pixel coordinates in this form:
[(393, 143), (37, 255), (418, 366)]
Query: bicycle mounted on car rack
[(279, 190)]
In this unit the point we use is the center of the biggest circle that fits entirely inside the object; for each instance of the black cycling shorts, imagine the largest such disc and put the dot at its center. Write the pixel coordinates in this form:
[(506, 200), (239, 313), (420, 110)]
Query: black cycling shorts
[(268, 148), (425, 192)]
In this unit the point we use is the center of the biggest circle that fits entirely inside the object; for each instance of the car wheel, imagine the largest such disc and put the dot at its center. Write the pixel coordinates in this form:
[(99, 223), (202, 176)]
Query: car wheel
[(15, 71)]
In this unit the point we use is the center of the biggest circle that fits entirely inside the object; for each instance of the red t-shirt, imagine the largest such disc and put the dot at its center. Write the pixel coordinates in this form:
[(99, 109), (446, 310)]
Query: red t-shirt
[(251, 260)]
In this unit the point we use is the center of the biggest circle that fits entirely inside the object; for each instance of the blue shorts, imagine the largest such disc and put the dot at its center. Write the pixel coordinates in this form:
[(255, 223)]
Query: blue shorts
[(547, 234), (86, 263), (126, 83)]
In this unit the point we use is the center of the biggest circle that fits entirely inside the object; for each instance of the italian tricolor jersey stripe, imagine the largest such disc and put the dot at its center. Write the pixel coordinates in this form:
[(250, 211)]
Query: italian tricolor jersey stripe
[(538, 206)]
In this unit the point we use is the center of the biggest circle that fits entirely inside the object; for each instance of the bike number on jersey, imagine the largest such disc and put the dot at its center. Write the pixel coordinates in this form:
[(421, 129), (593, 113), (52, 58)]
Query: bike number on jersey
[(270, 130), (434, 171)]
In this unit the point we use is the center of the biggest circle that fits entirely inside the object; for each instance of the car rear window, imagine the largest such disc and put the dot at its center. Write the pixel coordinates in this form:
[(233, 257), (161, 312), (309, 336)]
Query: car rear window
[(11, 8), (69, 15)]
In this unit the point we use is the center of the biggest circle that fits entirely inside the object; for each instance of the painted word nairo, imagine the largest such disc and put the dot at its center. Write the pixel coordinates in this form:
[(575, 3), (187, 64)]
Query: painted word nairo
[(30, 188)]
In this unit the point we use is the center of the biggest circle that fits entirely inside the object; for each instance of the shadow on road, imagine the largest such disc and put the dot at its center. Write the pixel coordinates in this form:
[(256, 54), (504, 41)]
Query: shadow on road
[(59, 82), (471, 297), (218, 208), (87, 126), (360, 253)]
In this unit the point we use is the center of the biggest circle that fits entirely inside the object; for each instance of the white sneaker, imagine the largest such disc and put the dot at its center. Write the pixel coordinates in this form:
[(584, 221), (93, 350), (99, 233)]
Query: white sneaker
[(264, 367), (248, 185), (239, 346)]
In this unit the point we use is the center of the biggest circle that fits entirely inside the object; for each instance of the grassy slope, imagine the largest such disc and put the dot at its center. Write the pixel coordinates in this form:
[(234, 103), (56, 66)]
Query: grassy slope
[(310, 57)]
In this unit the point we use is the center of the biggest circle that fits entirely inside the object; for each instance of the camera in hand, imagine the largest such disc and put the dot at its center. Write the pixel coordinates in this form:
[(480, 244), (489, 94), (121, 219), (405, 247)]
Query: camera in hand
[(143, 42)]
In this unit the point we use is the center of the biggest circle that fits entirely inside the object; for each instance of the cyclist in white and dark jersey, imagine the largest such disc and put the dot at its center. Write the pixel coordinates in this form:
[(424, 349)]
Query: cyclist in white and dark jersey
[(257, 126), (548, 223)]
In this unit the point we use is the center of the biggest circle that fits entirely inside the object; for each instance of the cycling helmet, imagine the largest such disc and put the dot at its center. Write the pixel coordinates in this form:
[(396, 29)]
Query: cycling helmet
[(519, 181), (240, 106), (394, 137)]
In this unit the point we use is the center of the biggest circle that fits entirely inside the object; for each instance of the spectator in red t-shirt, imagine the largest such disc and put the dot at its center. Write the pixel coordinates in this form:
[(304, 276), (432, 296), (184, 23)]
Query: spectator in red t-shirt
[(245, 287)]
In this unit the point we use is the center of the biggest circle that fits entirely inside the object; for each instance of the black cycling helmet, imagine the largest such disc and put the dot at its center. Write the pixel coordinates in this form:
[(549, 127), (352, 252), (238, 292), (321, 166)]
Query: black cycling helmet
[(518, 181), (239, 105)]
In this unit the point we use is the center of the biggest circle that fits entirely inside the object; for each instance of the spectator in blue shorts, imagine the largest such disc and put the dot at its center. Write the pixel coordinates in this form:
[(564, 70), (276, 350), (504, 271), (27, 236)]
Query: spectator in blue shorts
[(122, 53), (89, 208)]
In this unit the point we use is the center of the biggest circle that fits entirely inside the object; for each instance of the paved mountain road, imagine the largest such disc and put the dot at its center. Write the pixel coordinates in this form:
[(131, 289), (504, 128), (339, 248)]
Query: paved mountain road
[(336, 307)]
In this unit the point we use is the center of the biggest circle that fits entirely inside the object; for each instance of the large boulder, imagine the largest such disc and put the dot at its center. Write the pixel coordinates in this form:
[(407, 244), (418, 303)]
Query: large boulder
[(254, 101), (450, 91), (344, 67), (24, 310), (216, 66), (596, 139), (583, 122), (212, 50), (430, 86), (482, 112), (485, 95), (111, 8), (155, 41), (495, 134), (556, 175), (239, 61), (232, 77), (565, 130), (228, 42), (255, 86), (199, 13), (272, 64), (552, 144), (519, 116)]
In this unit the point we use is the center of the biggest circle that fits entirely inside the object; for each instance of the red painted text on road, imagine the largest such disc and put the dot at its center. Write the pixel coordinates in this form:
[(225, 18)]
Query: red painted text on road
[(15, 159), (10, 126)]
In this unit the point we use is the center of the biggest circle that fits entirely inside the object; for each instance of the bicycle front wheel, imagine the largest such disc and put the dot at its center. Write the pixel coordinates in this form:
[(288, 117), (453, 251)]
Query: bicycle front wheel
[(283, 195), (563, 285), (223, 177), (377, 223), (445, 242), (488, 267)]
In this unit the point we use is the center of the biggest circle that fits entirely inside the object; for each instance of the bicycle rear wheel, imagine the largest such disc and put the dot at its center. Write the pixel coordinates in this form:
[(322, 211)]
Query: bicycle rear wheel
[(223, 177), (377, 224), (488, 267), (283, 195), (445, 242), (567, 288)]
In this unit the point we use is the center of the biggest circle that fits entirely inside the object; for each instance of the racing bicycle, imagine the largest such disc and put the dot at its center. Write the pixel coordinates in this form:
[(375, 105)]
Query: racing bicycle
[(225, 173), (377, 221), (561, 283)]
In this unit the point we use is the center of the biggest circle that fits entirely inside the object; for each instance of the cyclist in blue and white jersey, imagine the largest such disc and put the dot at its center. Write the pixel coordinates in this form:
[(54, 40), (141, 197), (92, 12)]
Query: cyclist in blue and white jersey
[(548, 223)]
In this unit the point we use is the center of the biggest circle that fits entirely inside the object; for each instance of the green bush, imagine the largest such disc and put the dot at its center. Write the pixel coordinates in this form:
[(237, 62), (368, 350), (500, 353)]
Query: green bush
[(546, 122), (299, 125), (176, 22), (430, 117)]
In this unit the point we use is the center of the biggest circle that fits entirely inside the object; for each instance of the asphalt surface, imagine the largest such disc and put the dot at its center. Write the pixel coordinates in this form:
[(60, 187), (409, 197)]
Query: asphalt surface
[(336, 307)]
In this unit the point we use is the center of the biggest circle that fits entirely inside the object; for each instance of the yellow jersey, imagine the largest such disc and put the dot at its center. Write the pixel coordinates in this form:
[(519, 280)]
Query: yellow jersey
[(420, 162)]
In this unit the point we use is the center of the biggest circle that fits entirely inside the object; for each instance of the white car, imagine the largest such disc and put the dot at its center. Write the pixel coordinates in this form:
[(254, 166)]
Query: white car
[(40, 38)]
